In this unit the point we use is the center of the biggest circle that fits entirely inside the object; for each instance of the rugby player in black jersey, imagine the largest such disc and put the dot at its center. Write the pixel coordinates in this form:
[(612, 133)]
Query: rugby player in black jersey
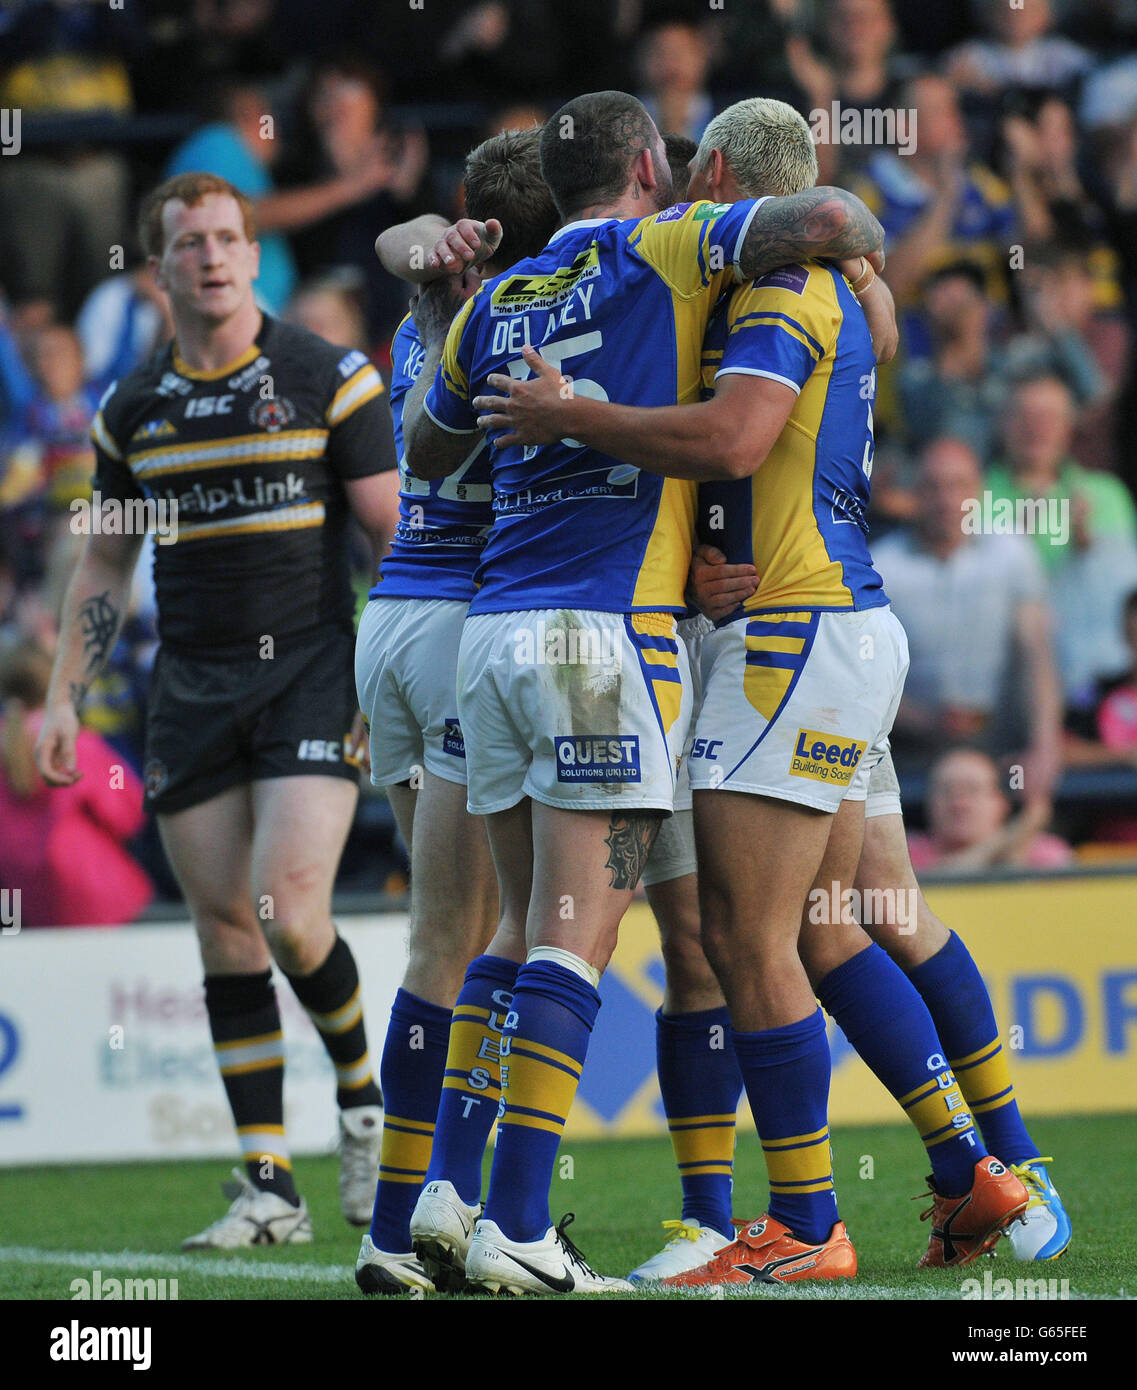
[(264, 439)]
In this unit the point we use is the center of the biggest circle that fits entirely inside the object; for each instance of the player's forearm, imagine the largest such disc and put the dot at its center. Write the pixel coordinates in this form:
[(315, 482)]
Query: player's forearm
[(679, 441), (93, 610), (819, 222), (419, 432), (403, 250)]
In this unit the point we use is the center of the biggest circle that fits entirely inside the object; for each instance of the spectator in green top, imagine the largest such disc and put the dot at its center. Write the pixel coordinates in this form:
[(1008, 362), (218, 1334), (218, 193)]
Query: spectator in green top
[(1038, 428), (1090, 556)]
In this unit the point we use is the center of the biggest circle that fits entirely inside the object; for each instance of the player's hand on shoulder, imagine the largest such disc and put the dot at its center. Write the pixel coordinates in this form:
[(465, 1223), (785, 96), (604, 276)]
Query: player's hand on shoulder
[(466, 243), (532, 412), (55, 746), (716, 588), (877, 303)]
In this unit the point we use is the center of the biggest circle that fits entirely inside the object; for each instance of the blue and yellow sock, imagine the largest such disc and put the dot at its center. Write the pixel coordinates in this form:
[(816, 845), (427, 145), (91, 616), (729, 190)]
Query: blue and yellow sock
[(953, 989), (471, 1087), (543, 1051), (414, 1056), (880, 1012), (700, 1084), (786, 1073)]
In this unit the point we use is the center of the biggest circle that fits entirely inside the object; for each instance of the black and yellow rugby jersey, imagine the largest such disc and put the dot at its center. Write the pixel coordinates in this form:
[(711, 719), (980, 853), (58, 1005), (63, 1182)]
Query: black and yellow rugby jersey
[(254, 456)]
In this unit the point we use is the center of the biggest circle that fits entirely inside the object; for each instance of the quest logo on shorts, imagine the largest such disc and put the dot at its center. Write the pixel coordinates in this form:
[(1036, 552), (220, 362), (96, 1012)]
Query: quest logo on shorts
[(825, 757), (598, 758)]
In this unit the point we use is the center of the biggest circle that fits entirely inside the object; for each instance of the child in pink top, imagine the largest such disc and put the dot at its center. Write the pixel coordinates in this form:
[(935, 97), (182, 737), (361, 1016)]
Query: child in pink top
[(63, 848)]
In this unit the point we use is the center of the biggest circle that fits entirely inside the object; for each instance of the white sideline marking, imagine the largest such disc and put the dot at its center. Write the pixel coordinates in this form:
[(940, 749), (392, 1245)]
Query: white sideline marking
[(177, 1264), (339, 1274)]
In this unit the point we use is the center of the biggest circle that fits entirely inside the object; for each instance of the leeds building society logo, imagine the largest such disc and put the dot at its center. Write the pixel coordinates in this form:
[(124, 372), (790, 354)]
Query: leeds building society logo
[(273, 414), (825, 757)]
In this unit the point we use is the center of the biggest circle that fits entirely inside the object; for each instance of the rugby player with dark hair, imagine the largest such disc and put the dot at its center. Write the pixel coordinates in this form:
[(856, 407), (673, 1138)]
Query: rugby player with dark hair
[(574, 765), (406, 675), (264, 440), (780, 660)]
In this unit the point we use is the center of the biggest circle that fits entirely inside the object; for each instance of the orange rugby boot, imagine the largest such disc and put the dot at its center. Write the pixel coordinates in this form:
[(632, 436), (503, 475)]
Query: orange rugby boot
[(963, 1228), (766, 1252)]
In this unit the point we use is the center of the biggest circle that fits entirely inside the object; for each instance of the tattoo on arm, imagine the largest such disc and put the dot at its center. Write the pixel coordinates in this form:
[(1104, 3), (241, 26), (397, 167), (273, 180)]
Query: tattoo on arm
[(629, 842), (829, 222), (98, 624)]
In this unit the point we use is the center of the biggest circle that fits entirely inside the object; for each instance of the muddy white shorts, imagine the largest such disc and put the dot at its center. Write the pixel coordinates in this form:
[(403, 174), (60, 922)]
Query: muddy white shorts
[(884, 790), (673, 853), (799, 705), (576, 709), (406, 661)]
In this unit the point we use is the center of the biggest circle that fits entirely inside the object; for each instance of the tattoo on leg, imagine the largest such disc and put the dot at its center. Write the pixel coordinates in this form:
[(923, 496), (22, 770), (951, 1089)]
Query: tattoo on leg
[(629, 842)]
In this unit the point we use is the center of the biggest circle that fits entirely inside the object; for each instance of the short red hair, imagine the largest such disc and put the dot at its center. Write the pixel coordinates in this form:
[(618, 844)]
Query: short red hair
[(189, 189)]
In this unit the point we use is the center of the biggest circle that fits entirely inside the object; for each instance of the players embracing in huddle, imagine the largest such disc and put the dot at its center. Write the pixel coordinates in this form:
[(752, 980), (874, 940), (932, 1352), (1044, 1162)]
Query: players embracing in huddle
[(558, 786)]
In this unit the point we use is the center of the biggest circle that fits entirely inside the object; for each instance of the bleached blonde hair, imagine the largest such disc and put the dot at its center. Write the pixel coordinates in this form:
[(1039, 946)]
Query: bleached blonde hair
[(767, 144)]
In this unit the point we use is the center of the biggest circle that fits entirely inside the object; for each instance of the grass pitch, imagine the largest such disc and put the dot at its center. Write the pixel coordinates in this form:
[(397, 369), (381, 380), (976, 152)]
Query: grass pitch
[(128, 1220)]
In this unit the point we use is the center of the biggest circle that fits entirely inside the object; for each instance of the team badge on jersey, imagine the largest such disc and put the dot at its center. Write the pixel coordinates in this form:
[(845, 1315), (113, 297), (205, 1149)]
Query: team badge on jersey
[(273, 414)]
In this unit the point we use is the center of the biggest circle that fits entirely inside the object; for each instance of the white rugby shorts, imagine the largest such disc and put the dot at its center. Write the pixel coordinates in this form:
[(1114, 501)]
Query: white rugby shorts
[(575, 708), (799, 705), (406, 661)]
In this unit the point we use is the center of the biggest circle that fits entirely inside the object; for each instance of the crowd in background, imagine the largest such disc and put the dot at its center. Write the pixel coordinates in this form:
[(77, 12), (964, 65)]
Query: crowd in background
[(1007, 186)]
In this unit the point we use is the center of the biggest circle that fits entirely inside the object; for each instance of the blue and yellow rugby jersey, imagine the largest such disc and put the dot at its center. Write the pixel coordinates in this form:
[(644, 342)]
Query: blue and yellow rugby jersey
[(443, 525), (800, 520), (621, 307)]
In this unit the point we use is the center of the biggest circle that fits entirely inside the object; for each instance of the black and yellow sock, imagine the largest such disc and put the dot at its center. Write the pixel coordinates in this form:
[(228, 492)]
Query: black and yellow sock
[(245, 1023), (332, 998)]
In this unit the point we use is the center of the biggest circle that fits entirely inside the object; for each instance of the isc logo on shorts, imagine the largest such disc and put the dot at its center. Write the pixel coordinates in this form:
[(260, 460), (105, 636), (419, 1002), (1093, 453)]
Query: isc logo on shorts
[(598, 758), (825, 757), (319, 750)]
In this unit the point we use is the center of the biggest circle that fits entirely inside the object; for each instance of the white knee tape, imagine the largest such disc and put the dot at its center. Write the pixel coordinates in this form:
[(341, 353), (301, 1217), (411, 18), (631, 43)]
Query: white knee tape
[(566, 959)]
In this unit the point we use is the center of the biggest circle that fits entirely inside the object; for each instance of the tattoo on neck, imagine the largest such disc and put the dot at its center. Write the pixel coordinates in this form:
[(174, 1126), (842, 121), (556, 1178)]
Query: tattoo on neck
[(629, 842)]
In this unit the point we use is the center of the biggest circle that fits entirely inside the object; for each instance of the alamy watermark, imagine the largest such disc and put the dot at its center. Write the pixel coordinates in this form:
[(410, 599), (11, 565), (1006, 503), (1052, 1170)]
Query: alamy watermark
[(1017, 1289), (855, 125), (97, 1289), (1019, 516), (111, 516), (546, 644), (10, 911), (881, 907)]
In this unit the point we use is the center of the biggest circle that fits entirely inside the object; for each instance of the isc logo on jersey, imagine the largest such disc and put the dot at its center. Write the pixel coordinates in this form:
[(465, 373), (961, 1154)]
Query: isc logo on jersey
[(597, 758), (208, 405), (825, 757)]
